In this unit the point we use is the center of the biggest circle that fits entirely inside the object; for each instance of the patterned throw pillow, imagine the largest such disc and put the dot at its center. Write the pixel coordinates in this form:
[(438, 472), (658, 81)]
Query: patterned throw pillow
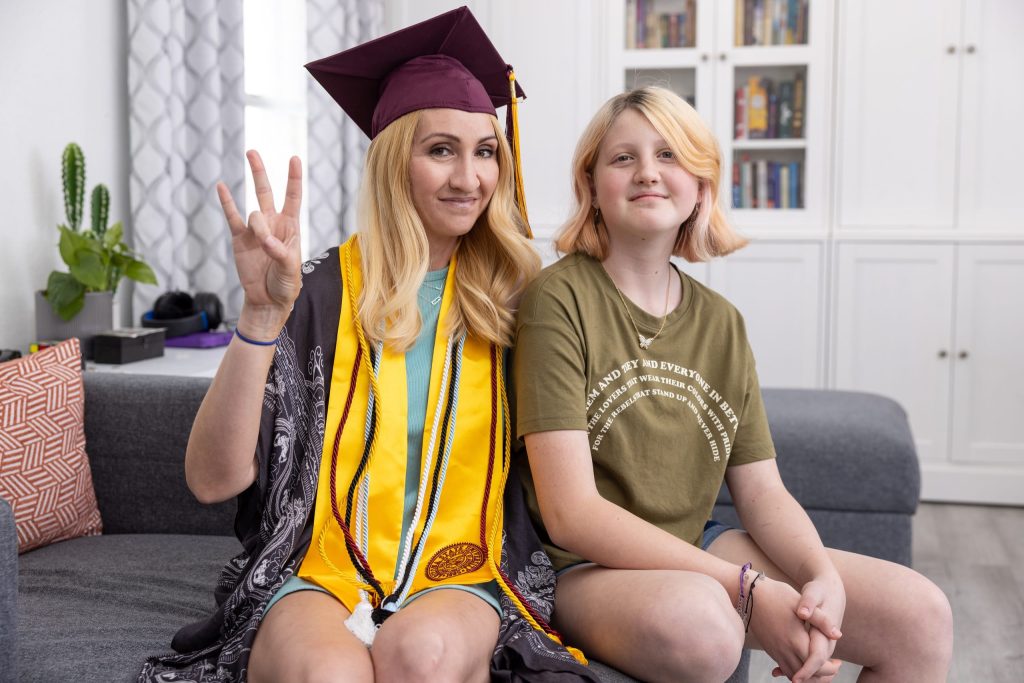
[(44, 471)]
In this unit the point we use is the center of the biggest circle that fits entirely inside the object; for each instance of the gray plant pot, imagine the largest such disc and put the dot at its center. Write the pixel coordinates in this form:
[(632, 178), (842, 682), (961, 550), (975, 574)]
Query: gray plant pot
[(96, 316)]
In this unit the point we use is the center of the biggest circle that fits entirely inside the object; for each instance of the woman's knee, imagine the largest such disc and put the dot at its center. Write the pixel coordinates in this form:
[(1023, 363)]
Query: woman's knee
[(328, 666), (413, 655)]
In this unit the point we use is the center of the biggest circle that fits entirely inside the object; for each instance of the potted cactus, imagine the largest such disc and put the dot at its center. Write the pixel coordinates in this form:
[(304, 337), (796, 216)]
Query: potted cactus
[(79, 302)]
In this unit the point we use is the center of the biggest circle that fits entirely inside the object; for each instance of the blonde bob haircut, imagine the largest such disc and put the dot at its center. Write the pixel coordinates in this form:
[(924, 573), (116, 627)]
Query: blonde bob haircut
[(495, 259), (702, 236)]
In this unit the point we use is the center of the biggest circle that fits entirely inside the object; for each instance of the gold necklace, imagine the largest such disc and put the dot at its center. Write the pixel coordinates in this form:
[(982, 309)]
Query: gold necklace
[(645, 342)]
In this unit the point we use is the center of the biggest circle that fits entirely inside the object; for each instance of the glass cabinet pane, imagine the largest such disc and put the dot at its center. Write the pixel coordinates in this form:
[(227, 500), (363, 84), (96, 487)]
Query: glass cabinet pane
[(770, 103), (660, 23), (768, 179), (770, 22)]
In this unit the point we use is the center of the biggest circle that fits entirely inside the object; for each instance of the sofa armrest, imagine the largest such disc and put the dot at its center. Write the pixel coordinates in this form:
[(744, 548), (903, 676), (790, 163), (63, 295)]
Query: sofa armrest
[(136, 431), (8, 594)]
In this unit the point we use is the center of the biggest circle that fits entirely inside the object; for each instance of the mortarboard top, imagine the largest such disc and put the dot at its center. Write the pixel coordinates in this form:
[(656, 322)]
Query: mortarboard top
[(444, 62)]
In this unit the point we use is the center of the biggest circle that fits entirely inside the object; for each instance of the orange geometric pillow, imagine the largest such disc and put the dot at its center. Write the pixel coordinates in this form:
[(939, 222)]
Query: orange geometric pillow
[(44, 471)]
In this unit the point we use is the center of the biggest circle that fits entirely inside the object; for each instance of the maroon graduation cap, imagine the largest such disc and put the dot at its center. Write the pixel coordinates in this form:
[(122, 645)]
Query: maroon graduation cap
[(446, 62)]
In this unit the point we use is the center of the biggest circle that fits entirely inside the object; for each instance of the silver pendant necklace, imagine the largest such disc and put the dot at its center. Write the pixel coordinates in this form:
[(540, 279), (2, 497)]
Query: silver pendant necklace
[(645, 342)]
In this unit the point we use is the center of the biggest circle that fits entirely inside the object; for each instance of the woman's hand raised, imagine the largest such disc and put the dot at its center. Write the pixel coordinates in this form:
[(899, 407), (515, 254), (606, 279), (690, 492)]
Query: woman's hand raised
[(267, 250)]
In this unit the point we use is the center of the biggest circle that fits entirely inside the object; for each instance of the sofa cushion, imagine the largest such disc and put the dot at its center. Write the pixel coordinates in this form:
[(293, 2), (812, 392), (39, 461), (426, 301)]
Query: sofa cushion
[(826, 440), (44, 471), (93, 609)]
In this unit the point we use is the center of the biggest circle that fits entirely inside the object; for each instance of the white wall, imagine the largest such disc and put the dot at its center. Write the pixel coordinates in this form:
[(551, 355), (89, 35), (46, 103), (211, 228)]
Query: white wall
[(63, 78)]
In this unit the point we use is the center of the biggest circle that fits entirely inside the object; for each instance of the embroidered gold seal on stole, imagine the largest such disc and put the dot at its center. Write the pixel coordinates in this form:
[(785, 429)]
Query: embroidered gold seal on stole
[(454, 560)]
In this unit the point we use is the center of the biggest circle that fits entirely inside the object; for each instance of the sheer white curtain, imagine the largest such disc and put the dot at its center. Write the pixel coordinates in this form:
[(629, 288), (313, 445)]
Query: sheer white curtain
[(336, 145), (186, 100)]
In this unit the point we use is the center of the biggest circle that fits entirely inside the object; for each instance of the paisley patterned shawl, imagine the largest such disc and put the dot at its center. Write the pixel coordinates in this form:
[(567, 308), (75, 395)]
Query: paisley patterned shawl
[(274, 519)]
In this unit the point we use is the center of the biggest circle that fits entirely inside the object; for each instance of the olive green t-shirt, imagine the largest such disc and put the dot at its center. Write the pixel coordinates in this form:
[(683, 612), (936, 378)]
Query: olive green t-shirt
[(664, 422)]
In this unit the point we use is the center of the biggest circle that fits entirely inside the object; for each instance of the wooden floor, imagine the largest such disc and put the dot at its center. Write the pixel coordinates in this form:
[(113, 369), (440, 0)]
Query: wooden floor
[(976, 555)]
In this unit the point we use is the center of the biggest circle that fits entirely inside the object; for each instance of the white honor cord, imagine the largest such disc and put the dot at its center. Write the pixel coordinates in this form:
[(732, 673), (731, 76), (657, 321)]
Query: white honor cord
[(432, 513), (427, 464)]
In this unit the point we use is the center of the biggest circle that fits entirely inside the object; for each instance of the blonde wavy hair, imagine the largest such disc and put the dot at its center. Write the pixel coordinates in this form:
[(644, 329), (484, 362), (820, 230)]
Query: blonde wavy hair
[(496, 259), (706, 233)]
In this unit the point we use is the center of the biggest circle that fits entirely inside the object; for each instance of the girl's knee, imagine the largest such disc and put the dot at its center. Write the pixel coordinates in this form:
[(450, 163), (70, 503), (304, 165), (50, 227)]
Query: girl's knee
[(696, 627), (934, 618)]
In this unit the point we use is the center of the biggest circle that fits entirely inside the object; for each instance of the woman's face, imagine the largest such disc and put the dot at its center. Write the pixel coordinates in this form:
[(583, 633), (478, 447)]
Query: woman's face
[(452, 172), (639, 185)]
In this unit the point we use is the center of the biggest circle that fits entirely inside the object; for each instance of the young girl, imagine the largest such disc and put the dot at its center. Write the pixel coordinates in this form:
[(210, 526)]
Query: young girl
[(370, 461), (637, 394)]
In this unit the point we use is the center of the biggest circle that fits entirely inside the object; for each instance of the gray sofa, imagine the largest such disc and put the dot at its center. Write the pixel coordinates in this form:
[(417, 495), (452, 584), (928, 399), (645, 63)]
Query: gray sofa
[(91, 609)]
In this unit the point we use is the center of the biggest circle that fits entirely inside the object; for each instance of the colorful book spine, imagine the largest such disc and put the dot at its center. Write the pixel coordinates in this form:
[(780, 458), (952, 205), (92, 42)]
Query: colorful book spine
[(786, 109), (798, 107), (761, 200), (690, 24), (794, 185), (747, 180), (784, 186), (757, 108), (740, 114), (773, 110), (792, 34), (737, 187)]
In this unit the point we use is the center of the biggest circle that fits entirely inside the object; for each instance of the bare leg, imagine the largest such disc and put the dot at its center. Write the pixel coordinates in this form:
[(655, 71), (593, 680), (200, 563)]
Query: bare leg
[(444, 636), (304, 640), (654, 625), (898, 624)]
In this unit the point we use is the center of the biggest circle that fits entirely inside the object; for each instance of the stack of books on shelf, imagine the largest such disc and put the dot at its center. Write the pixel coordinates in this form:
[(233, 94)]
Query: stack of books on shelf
[(764, 184), (765, 109), (648, 28), (771, 22)]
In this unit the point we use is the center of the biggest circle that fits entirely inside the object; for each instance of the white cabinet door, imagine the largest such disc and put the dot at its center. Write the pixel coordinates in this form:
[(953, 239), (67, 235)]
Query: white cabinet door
[(991, 144), (893, 332), (897, 110), (988, 383), (779, 290)]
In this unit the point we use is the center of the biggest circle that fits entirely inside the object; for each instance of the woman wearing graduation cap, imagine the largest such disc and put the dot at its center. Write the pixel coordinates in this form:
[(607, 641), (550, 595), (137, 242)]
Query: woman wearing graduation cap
[(360, 415)]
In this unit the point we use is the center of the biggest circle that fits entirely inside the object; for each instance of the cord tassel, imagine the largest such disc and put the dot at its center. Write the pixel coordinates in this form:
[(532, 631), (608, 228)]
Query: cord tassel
[(512, 132)]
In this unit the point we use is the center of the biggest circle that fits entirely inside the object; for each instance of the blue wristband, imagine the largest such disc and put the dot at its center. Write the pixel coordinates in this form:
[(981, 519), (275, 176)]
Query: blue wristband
[(254, 342)]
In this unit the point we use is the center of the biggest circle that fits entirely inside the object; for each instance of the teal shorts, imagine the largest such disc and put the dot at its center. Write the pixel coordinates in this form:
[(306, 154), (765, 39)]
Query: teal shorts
[(488, 592)]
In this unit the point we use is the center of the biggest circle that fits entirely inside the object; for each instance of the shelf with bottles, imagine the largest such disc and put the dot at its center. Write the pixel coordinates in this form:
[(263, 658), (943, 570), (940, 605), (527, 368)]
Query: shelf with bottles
[(770, 22), (683, 81), (769, 106), (660, 24), (768, 179)]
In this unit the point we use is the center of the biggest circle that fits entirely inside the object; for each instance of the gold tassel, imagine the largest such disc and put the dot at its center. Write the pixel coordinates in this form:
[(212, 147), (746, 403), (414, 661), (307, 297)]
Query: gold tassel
[(513, 118)]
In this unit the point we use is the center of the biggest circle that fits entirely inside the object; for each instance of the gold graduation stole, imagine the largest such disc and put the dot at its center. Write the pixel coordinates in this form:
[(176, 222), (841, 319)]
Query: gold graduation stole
[(460, 481), (456, 532)]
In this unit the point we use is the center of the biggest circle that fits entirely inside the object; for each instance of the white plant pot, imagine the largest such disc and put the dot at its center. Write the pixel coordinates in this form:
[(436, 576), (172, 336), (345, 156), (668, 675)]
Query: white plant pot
[(96, 316)]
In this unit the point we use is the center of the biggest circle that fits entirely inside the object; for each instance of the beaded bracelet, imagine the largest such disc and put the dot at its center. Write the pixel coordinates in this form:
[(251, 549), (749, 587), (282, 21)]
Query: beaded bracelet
[(743, 578), (254, 342)]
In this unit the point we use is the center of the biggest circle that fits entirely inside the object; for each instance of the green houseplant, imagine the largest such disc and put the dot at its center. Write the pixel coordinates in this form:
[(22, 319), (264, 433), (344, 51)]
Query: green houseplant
[(97, 258)]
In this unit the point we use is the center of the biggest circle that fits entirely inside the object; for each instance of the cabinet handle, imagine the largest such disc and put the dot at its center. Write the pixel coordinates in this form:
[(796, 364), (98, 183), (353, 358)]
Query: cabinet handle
[(971, 49), (943, 353), (951, 49), (722, 57), (962, 354), (704, 57)]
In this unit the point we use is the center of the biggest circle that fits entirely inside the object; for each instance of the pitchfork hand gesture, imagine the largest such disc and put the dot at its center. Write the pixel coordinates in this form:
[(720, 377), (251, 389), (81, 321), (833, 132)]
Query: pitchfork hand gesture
[(267, 250)]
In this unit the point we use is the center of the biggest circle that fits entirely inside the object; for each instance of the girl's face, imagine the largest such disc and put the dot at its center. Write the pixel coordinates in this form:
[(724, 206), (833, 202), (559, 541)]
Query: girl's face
[(639, 185), (452, 172)]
